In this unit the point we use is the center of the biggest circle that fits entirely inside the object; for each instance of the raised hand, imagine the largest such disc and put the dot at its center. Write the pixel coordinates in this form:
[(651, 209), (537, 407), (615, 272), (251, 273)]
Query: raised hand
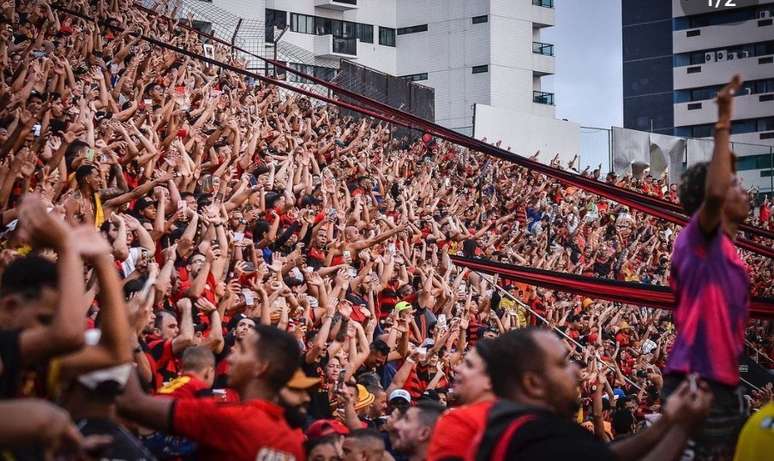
[(89, 243), (725, 97), (41, 228), (205, 305)]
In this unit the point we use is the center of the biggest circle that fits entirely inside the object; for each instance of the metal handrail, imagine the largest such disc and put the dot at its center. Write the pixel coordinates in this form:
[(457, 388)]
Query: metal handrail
[(546, 49), (542, 97), (555, 328), (543, 3)]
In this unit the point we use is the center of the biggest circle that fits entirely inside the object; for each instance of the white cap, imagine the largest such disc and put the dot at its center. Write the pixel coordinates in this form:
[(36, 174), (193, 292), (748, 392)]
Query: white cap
[(400, 394), (119, 374)]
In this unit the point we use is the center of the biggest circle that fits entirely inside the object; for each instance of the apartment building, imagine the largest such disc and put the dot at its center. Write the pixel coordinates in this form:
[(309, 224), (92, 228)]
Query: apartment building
[(677, 55), (476, 54)]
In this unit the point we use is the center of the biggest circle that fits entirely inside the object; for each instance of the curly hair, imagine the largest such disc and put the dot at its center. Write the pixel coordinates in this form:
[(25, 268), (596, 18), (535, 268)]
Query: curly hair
[(692, 185)]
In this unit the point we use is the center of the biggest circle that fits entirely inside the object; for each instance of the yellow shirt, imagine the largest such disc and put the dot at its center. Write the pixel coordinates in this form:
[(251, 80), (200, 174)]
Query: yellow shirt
[(756, 441)]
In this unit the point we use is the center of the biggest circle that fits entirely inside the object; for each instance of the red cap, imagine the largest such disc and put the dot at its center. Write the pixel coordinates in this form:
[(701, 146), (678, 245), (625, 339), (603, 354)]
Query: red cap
[(326, 427)]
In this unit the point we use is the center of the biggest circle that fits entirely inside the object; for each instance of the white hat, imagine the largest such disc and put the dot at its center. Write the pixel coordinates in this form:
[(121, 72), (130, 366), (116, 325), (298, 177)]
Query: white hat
[(400, 394), (118, 374)]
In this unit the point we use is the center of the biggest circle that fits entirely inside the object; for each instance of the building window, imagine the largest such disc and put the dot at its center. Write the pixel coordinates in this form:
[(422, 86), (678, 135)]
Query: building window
[(339, 29), (412, 29), (480, 19), (275, 18), (702, 131), (301, 23), (765, 124), (415, 77), (753, 162), (543, 3), (365, 32), (541, 97), (546, 49), (480, 69), (386, 36)]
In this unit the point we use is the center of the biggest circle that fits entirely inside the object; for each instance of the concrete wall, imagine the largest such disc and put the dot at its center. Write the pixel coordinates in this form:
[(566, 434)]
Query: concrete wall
[(447, 52), (715, 73), (722, 35), (747, 106), (527, 133)]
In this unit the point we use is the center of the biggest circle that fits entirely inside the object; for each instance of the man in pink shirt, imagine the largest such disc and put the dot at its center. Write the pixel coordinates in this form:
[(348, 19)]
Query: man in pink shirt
[(712, 288)]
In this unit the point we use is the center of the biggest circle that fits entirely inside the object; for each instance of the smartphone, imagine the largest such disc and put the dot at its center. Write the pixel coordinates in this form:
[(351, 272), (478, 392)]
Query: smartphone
[(251, 179), (340, 380), (295, 273), (238, 236), (249, 297), (391, 248), (347, 255), (148, 102), (182, 205), (209, 50), (442, 321), (36, 130), (249, 266), (90, 155)]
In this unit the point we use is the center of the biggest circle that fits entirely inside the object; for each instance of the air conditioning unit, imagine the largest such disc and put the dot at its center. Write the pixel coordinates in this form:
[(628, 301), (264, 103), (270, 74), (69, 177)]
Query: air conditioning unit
[(709, 57), (763, 14), (745, 54), (731, 56), (721, 55)]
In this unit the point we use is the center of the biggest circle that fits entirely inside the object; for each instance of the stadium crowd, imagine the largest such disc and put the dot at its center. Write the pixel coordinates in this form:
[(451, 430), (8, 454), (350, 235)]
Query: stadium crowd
[(178, 239)]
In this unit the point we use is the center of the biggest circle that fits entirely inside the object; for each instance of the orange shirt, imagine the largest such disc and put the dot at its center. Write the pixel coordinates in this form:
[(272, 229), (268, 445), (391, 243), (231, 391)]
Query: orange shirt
[(456, 430)]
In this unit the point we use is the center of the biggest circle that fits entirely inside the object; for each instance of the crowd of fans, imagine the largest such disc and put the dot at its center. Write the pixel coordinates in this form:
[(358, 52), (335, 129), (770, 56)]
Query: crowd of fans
[(160, 214)]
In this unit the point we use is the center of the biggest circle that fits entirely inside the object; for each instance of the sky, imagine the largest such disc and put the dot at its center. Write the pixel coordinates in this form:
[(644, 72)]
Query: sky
[(588, 84), (588, 81)]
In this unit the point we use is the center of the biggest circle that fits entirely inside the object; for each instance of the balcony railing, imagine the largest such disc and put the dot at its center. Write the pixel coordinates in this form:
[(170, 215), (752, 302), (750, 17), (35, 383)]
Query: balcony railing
[(546, 49), (345, 45), (544, 3), (541, 97)]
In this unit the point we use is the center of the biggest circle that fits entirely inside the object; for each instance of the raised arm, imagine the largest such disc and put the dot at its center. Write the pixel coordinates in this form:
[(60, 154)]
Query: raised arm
[(721, 169), (65, 334)]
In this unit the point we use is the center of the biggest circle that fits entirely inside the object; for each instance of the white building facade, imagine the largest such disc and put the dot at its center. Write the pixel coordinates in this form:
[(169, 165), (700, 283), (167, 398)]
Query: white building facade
[(471, 52)]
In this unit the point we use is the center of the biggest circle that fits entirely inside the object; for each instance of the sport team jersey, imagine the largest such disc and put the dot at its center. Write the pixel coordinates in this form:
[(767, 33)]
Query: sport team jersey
[(251, 431), (712, 292)]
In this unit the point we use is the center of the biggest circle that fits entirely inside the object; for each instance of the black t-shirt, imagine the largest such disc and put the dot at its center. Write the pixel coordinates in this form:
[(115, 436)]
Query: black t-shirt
[(549, 438), (320, 404), (10, 363)]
